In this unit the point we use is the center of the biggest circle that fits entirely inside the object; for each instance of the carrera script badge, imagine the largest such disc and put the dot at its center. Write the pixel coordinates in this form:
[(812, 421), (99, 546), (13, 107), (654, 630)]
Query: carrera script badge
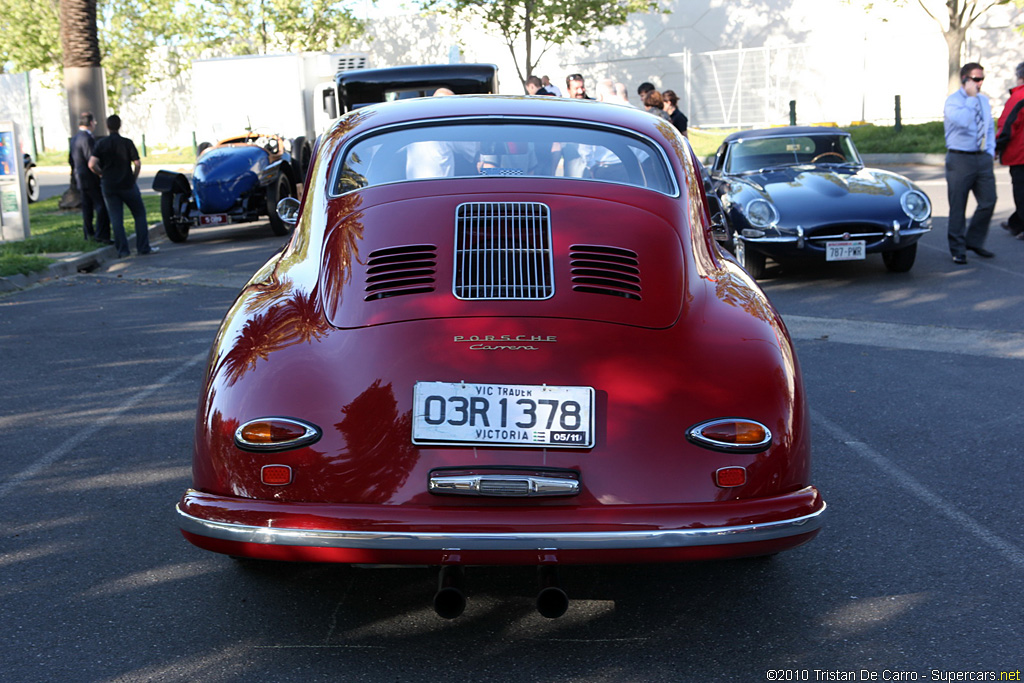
[(505, 342)]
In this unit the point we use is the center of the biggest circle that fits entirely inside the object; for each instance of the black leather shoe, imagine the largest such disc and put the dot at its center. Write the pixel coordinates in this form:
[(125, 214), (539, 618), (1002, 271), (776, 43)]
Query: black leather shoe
[(982, 252), (960, 260)]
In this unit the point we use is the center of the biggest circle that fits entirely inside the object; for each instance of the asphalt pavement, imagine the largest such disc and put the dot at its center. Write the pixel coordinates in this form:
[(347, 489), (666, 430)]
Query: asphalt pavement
[(913, 382)]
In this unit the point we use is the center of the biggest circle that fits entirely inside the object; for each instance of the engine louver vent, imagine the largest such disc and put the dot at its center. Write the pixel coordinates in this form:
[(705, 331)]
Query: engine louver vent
[(401, 270), (605, 270), (503, 251)]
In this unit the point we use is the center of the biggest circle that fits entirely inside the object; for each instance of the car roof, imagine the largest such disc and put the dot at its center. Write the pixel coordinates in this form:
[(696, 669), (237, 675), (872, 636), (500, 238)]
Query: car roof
[(784, 131), (557, 110)]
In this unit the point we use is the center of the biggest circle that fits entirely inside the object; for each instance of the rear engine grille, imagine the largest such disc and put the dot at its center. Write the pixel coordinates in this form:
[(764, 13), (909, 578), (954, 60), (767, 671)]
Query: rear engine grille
[(605, 270), (503, 251), (401, 270)]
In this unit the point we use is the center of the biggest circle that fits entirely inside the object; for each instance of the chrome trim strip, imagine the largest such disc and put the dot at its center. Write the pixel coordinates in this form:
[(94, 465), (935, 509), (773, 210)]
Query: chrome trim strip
[(583, 540), (503, 485), (816, 238)]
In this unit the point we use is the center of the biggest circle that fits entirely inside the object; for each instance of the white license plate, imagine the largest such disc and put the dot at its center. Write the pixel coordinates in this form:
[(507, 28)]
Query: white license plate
[(513, 415), (852, 250), (213, 219)]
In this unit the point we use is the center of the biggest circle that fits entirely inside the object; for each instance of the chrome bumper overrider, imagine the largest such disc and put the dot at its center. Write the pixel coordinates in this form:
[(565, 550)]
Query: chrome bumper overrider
[(588, 540)]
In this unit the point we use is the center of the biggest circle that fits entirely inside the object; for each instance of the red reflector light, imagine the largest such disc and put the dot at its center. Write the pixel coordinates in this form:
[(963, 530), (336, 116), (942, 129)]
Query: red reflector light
[(731, 476), (276, 475)]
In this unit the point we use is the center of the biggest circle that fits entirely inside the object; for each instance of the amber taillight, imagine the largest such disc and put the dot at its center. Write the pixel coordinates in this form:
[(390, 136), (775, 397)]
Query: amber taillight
[(731, 435), (271, 434)]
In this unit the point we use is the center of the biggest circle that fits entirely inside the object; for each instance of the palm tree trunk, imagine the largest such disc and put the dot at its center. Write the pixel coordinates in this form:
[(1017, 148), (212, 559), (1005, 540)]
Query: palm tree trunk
[(84, 84)]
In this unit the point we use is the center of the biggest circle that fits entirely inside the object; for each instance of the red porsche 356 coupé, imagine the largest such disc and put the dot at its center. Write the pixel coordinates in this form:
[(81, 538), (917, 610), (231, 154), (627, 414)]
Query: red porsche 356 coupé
[(501, 333)]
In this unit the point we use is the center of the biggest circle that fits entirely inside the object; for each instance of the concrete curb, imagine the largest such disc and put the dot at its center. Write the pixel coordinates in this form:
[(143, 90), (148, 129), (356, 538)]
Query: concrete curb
[(72, 264)]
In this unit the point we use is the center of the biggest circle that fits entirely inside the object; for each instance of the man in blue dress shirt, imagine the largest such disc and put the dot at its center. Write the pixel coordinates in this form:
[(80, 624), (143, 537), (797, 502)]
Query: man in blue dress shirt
[(971, 145)]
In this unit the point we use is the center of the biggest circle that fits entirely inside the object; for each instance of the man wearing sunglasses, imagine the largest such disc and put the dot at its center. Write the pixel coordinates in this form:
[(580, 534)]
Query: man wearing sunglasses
[(971, 145)]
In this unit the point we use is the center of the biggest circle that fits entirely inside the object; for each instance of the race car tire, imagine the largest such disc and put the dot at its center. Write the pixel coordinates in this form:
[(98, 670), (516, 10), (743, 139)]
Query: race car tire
[(175, 229), (203, 146), (279, 189), (31, 185)]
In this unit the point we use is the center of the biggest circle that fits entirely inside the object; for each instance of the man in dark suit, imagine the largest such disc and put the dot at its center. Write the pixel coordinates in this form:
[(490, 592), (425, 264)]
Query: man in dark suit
[(116, 161), (88, 184)]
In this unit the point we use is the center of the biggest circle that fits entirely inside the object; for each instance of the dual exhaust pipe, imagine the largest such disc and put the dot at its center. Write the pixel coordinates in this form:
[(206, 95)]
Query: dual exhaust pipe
[(450, 598)]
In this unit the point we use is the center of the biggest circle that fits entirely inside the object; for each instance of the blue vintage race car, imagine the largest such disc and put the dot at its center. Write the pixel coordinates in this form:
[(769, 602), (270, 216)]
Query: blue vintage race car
[(238, 180), (803, 193)]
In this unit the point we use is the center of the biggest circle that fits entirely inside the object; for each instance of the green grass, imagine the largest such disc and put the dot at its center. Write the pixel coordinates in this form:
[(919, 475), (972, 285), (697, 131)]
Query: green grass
[(924, 138), (56, 232), (155, 155)]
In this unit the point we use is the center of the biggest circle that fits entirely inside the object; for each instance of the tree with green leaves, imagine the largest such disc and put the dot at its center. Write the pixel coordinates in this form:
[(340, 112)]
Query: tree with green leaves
[(244, 27), (134, 34), (529, 28)]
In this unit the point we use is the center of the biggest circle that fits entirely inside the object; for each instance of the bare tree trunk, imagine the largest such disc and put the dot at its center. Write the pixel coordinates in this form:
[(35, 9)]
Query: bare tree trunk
[(954, 44)]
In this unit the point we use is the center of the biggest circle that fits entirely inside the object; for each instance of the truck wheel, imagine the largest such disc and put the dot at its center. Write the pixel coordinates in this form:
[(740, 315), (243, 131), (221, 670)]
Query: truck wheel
[(175, 228), (279, 189), (301, 154), (901, 260)]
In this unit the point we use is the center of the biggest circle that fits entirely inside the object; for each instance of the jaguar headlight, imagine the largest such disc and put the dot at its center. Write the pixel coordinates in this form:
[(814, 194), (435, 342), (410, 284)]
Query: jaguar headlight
[(761, 213), (916, 205)]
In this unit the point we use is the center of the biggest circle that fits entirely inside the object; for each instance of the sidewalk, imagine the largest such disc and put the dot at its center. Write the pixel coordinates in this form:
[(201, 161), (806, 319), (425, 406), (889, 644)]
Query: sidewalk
[(73, 263)]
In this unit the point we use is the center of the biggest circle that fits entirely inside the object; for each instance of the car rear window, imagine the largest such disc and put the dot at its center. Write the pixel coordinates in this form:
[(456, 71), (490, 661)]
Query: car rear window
[(481, 150)]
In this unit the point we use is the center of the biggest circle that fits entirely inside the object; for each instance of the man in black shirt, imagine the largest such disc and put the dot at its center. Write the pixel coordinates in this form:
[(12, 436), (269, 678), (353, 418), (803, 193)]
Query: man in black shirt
[(88, 184), (116, 161)]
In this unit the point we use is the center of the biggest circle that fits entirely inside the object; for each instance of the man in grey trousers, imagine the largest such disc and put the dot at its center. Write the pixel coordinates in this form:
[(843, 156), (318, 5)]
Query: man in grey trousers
[(971, 145)]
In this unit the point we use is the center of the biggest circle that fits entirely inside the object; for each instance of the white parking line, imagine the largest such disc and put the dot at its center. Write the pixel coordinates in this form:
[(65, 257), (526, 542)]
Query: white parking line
[(905, 480), (83, 435)]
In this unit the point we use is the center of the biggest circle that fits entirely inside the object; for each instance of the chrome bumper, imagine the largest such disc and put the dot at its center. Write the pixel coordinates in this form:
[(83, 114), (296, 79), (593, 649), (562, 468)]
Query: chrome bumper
[(590, 540)]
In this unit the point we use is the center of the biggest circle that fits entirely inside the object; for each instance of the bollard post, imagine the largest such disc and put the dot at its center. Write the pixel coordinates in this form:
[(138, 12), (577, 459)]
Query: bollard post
[(144, 145), (195, 145), (899, 116), (792, 112)]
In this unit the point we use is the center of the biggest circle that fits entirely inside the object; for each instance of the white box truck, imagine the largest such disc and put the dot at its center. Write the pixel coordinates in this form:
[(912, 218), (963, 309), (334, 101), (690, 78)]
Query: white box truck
[(291, 95)]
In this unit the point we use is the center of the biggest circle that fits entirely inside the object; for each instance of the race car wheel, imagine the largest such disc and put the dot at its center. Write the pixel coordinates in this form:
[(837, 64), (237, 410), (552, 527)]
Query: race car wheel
[(900, 260), (752, 261), (279, 189), (32, 184), (175, 228)]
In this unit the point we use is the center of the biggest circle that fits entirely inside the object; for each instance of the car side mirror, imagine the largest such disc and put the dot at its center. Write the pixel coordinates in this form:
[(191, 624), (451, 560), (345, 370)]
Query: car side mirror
[(288, 211)]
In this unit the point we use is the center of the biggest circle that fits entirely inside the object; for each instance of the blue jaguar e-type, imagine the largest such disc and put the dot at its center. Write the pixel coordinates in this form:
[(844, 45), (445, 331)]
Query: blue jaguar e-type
[(803, 192), (238, 180)]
